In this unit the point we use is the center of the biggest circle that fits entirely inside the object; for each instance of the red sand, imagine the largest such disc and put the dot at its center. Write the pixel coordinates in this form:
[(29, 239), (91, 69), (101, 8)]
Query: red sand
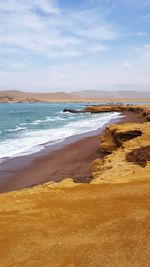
[(70, 161)]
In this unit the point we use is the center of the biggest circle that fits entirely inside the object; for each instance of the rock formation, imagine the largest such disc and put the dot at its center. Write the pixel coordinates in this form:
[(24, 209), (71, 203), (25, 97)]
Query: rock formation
[(142, 110), (71, 110), (116, 135), (119, 165)]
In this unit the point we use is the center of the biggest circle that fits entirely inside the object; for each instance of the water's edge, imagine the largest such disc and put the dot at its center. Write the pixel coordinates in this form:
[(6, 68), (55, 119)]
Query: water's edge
[(17, 163)]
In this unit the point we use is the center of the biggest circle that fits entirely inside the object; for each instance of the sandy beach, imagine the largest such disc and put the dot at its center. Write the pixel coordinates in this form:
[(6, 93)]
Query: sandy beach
[(70, 161), (74, 133), (102, 223)]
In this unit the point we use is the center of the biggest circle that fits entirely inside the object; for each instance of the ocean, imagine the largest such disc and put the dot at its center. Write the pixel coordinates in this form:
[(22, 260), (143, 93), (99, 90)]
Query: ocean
[(27, 128)]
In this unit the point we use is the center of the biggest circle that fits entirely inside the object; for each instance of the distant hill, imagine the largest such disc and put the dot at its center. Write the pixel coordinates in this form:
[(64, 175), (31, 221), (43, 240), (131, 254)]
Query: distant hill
[(101, 94), (88, 95), (19, 96)]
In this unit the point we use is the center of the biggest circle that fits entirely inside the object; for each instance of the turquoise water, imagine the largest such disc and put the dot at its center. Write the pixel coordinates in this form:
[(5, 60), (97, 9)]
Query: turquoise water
[(26, 128)]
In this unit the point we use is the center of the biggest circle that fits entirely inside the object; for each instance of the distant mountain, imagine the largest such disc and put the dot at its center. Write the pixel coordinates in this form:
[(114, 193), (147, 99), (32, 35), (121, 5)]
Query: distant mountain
[(104, 94), (88, 95), (19, 96)]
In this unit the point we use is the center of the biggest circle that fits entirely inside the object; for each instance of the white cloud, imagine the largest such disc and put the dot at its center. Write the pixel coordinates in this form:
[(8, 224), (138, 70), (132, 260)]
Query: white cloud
[(24, 27), (103, 32), (45, 47), (48, 6)]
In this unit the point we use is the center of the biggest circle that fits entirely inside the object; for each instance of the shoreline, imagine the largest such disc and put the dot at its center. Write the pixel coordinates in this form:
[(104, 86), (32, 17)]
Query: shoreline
[(87, 100), (17, 163), (74, 155)]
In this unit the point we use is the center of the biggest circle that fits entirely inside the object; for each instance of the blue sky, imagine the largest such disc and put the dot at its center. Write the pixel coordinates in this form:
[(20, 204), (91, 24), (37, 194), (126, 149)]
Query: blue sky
[(57, 45)]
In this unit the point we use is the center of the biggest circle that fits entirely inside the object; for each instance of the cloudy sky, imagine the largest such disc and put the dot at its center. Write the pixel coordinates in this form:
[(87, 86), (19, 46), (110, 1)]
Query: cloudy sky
[(56, 45)]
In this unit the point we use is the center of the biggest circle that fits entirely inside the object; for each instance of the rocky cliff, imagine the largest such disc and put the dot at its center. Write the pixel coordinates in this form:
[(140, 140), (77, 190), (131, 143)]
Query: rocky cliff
[(128, 158), (142, 110)]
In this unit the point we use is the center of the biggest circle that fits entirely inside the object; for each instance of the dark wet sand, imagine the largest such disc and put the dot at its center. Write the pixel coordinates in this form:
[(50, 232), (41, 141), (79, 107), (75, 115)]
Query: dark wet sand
[(70, 161)]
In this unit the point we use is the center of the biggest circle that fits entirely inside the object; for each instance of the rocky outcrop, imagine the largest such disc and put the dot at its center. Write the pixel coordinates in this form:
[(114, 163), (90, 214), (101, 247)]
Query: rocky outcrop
[(116, 135), (139, 156), (148, 117), (71, 110), (142, 110), (128, 145)]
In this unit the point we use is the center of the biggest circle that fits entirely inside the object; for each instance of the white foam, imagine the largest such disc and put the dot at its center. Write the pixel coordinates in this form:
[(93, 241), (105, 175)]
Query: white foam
[(47, 119), (18, 128), (32, 141)]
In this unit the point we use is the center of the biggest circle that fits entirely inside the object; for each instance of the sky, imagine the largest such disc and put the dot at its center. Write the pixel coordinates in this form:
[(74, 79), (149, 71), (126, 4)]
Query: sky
[(70, 45)]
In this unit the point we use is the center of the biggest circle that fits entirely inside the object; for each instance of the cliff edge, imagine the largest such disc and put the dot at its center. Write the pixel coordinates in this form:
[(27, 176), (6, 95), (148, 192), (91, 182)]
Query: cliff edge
[(128, 154)]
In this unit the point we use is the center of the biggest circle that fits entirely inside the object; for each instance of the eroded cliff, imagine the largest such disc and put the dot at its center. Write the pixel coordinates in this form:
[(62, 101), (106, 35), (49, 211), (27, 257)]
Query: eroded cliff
[(119, 165)]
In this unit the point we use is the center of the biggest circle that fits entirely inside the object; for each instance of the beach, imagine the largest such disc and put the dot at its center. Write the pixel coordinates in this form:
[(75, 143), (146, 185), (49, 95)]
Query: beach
[(74, 133), (70, 159), (103, 221)]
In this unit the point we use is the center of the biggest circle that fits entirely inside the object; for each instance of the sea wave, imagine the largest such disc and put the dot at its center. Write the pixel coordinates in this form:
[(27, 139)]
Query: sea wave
[(18, 128), (32, 141), (47, 119)]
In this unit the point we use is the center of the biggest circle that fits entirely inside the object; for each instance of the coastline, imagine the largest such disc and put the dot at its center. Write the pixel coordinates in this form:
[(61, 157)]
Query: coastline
[(75, 155), (104, 221), (80, 100)]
